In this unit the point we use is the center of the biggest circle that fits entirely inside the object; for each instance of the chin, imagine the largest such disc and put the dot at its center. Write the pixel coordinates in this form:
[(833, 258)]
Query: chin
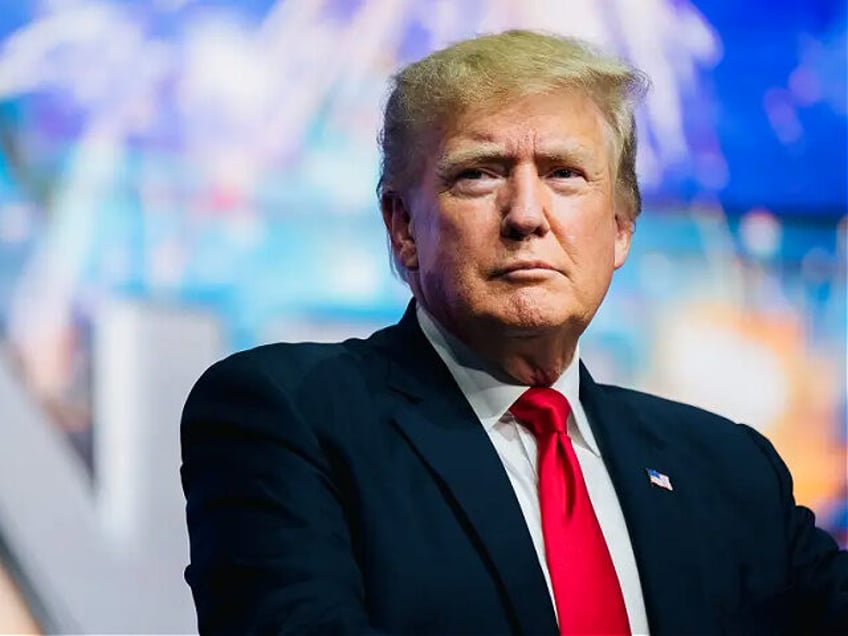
[(533, 310)]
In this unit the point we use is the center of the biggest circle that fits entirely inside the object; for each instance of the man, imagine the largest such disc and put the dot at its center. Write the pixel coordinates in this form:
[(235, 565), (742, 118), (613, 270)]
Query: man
[(461, 472)]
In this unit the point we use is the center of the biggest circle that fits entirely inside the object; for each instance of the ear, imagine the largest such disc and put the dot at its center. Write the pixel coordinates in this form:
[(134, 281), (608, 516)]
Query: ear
[(623, 237), (399, 227)]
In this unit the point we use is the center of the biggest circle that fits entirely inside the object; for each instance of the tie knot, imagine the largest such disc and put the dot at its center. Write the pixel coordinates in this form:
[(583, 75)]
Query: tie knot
[(542, 410)]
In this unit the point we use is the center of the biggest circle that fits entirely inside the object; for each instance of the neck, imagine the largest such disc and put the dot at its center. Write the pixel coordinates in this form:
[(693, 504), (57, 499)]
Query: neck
[(531, 357)]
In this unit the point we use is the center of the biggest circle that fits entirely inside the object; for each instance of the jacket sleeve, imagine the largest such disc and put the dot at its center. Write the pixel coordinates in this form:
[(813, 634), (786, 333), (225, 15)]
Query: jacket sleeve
[(819, 569), (270, 545)]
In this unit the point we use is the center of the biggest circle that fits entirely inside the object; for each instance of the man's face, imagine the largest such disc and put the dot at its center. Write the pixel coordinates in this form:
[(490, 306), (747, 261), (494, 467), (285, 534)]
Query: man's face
[(513, 224)]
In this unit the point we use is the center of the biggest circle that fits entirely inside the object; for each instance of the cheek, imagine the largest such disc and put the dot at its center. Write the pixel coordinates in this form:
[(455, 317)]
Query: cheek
[(442, 251), (589, 240), (586, 233), (464, 235)]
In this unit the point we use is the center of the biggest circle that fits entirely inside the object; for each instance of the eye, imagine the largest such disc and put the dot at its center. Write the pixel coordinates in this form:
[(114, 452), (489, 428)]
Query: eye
[(473, 181), (564, 173), (472, 174)]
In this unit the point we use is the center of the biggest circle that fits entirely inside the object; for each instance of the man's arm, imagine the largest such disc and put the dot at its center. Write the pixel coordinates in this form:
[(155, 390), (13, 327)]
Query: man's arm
[(819, 568), (270, 546)]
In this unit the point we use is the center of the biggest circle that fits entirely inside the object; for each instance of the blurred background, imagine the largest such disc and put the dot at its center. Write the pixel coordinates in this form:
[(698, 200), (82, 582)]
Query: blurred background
[(183, 178)]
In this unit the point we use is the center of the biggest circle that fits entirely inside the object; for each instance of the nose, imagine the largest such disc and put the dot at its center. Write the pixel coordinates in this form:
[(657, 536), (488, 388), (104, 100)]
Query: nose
[(524, 204)]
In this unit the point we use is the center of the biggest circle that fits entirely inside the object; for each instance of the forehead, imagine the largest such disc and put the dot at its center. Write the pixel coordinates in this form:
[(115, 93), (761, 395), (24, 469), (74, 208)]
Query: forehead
[(560, 121)]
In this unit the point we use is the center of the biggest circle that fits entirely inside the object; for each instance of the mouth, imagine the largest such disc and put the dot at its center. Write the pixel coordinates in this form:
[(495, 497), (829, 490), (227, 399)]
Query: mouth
[(526, 268)]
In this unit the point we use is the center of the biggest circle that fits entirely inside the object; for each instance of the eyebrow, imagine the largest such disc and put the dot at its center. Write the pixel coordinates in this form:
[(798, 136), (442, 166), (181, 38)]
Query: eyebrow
[(482, 153)]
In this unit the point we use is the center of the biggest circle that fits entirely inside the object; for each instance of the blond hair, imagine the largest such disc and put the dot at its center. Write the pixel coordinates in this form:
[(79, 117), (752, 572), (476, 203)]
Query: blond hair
[(492, 69)]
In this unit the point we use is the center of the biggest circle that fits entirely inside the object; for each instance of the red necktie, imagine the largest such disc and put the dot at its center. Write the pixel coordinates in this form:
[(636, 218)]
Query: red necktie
[(586, 590)]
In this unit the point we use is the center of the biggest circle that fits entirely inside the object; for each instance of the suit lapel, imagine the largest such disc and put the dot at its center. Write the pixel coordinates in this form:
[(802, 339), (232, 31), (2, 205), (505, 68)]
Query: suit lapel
[(435, 417), (658, 521)]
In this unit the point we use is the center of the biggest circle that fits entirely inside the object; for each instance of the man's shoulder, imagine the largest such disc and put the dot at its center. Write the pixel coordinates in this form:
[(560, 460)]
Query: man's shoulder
[(706, 442), (296, 357), (675, 420), (668, 407), (289, 365), (271, 386)]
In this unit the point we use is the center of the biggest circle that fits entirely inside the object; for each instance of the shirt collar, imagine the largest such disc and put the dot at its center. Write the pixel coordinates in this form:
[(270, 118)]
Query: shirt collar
[(490, 392)]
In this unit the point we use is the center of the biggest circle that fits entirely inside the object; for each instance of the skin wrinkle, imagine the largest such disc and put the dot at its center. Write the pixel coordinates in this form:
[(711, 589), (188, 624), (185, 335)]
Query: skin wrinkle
[(456, 237), (487, 147), (489, 72)]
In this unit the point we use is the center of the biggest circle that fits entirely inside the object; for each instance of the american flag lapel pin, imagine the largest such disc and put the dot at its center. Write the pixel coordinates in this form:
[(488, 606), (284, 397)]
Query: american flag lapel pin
[(658, 479)]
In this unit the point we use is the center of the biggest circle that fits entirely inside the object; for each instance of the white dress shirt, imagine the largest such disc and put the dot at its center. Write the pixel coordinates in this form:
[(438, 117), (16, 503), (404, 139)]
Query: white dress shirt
[(490, 397)]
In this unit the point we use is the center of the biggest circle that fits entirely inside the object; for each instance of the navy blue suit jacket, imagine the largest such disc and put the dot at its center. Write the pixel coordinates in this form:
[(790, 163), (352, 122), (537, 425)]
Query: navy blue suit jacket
[(348, 488)]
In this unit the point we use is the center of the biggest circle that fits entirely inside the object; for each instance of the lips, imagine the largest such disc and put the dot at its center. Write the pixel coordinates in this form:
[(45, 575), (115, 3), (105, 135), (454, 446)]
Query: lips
[(524, 266)]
